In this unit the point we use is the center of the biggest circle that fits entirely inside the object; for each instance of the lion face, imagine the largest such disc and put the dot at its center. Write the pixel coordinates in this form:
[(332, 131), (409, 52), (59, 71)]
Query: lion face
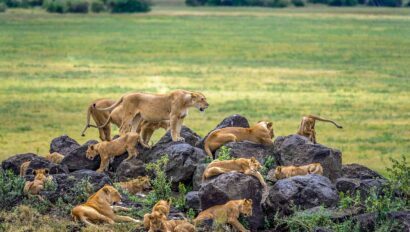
[(112, 195), (157, 222), (278, 173), (246, 208), (268, 126), (91, 152), (199, 101), (145, 182), (255, 165), (40, 174)]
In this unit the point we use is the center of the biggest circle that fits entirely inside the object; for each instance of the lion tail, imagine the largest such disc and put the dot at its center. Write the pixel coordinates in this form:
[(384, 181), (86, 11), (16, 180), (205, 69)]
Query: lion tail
[(325, 120), (111, 107), (87, 124)]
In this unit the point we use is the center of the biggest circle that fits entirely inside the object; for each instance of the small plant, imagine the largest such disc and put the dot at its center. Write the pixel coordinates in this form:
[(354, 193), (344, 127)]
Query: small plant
[(268, 165), (97, 6), (224, 153), (179, 201), (191, 213), (161, 186), (298, 3), (346, 200), (11, 188), (50, 185), (399, 176), (79, 193)]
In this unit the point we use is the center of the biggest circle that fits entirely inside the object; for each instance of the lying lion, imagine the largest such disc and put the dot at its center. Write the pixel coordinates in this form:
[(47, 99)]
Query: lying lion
[(172, 106), (262, 133), (243, 165), (282, 172), (103, 119), (34, 187), (54, 157), (227, 213), (109, 149), (307, 126), (161, 208), (99, 208), (136, 185), (159, 222)]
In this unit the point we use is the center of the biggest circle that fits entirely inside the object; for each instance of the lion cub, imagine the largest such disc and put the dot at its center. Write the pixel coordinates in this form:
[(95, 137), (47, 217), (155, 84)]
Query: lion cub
[(109, 149), (137, 185), (243, 165), (227, 213), (34, 187), (262, 133), (282, 172), (307, 126), (160, 209), (158, 222), (54, 157), (99, 208)]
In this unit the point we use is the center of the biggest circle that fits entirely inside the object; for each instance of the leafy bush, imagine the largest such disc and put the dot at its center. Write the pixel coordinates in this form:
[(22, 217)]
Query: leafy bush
[(3, 7), (179, 201), (130, 6), (278, 3), (269, 164), (195, 2), (224, 153), (389, 3), (298, 3), (56, 6), (161, 186), (78, 6), (343, 2), (97, 6), (11, 188), (319, 1)]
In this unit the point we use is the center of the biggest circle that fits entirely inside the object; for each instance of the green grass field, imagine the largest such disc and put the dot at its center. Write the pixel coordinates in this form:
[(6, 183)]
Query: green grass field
[(348, 64)]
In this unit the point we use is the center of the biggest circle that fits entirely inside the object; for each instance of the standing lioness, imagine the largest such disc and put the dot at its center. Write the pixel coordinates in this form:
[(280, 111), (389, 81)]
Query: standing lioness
[(172, 106)]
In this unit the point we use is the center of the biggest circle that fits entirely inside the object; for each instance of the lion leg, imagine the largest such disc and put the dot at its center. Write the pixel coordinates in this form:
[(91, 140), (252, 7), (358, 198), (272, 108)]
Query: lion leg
[(257, 175), (107, 132), (146, 135), (119, 218), (135, 122), (126, 123), (146, 221), (202, 217), (174, 128), (116, 208), (132, 152), (104, 164), (235, 223), (213, 172)]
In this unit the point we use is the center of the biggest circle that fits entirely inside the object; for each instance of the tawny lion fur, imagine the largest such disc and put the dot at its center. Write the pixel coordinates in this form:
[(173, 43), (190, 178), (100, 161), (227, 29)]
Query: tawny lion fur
[(24, 167), (34, 187), (137, 185), (110, 149), (282, 172), (227, 213), (99, 208), (262, 133), (243, 165), (172, 106), (158, 222), (307, 126), (54, 157), (161, 208)]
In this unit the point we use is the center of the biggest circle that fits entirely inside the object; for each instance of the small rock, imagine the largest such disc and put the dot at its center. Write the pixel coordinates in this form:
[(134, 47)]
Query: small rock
[(130, 169), (192, 200), (357, 171)]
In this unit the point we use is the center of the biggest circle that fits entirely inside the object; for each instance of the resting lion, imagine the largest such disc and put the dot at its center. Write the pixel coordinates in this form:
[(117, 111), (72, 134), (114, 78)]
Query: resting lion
[(159, 222), (161, 208), (172, 106), (262, 132), (100, 208), (34, 187), (227, 213), (137, 185), (243, 165), (282, 172), (110, 149), (307, 126), (54, 157)]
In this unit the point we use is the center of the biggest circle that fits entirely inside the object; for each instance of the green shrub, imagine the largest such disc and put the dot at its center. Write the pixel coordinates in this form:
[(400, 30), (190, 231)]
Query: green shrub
[(399, 176), (388, 3), (268, 165), (319, 1), (195, 2), (278, 3), (161, 186), (298, 3), (343, 2), (78, 6), (3, 7), (179, 202), (56, 6), (224, 153), (130, 6), (97, 6), (11, 188)]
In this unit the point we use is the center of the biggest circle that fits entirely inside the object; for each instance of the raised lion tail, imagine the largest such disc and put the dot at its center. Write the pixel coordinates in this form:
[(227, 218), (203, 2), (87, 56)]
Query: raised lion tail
[(325, 120), (110, 107)]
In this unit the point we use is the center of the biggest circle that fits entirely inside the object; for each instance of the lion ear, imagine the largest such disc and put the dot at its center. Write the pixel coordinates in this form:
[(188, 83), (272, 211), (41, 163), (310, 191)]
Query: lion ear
[(248, 201), (253, 159), (270, 124), (92, 147), (106, 190), (46, 171), (34, 172), (279, 168)]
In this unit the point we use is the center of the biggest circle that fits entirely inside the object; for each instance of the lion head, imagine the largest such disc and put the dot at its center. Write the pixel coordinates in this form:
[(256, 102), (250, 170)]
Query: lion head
[(246, 208), (41, 174), (91, 152), (199, 101), (254, 164), (157, 220), (110, 194), (278, 173), (268, 126), (143, 181)]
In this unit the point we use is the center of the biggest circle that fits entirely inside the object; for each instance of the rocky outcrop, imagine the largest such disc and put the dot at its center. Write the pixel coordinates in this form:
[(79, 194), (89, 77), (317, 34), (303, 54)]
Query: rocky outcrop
[(233, 186), (301, 191), (249, 149), (190, 137), (63, 145), (357, 171), (298, 150), (14, 162), (40, 162)]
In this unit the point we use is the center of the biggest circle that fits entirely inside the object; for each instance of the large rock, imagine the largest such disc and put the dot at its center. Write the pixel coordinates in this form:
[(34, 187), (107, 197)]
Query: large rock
[(183, 160), (358, 171), (77, 160), (130, 169), (190, 137), (68, 184), (14, 162), (364, 187), (298, 150), (197, 178), (192, 200), (248, 149), (63, 145), (41, 162), (234, 186), (235, 120), (302, 191)]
